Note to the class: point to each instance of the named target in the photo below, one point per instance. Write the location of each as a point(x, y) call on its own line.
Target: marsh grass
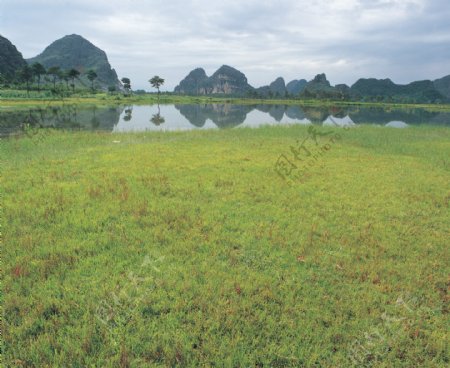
point(187, 249)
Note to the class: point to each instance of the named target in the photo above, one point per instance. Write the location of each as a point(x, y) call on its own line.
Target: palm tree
point(65, 77)
point(55, 72)
point(26, 75)
point(38, 70)
point(92, 76)
point(72, 74)
point(156, 82)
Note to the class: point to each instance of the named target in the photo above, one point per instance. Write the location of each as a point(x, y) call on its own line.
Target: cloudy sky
point(404, 40)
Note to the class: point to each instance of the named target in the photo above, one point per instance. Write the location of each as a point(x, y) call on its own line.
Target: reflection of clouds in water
point(339, 122)
point(397, 124)
point(257, 118)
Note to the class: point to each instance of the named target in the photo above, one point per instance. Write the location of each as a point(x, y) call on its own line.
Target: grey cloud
point(404, 40)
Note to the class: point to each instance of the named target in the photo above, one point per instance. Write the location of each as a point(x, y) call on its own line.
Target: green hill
point(76, 52)
point(275, 89)
point(225, 81)
point(443, 86)
point(193, 83)
point(320, 88)
point(10, 59)
point(295, 86)
point(385, 90)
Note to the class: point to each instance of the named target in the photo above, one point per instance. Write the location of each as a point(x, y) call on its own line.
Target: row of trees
point(37, 74)
point(54, 78)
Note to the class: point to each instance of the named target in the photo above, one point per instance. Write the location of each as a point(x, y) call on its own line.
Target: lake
point(209, 116)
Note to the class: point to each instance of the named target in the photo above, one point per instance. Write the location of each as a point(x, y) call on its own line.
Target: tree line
point(37, 77)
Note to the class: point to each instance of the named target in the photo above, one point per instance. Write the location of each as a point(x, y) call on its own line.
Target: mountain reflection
point(295, 112)
point(70, 117)
point(223, 115)
point(185, 117)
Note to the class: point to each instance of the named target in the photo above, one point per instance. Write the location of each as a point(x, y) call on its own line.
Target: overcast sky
point(404, 40)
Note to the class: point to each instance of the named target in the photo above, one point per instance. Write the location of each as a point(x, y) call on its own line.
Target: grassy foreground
point(187, 249)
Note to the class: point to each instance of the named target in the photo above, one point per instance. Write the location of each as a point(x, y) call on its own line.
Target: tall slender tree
point(55, 73)
point(73, 74)
point(26, 75)
point(38, 70)
point(92, 76)
point(65, 77)
point(156, 82)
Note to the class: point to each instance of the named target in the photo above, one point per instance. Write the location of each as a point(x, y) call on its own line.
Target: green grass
point(187, 249)
point(18, 98)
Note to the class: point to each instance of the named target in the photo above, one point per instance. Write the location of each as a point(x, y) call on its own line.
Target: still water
point(209, 116)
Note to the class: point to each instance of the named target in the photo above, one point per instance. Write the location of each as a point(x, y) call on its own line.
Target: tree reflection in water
point(128, 112)
point(157, 119)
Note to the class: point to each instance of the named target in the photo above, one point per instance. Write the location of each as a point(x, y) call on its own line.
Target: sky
point(404, 40)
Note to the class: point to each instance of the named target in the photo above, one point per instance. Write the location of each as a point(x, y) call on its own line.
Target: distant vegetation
point(73, 63)
point(55, 80)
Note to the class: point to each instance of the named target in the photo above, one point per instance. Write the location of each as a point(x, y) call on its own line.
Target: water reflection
point(222, 115)
point(397, 124)
point(157, 119)
point(128, 113)
point(340, 122)
point(201, 116)
point(70, 117)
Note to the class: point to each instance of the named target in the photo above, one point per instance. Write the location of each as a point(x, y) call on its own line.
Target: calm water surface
point(209, 116)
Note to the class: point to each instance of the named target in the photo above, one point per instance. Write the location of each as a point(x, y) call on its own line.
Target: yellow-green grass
point(187, 249)
point(8, 100)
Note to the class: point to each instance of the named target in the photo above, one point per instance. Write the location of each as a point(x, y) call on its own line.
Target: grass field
point(187, 249)
point(13, 99)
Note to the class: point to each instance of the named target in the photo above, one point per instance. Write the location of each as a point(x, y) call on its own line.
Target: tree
point(92, 76)
point(156, 82)
point(126, 84)
point(55, 73)
point(65, 77)
point(72, 74)
point(26, 75)
point(38, 70)
point(3, 80)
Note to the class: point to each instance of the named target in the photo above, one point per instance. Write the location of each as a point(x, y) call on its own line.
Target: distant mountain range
point(229, 81)
point(74, 51)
